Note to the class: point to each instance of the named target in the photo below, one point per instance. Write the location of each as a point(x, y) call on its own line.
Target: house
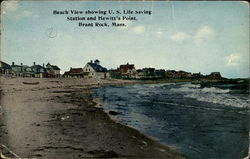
point(21, 70)
point(177, 74)
point(160, 73)
point(214, 76)
point(127, 71)
point(75, 73)
point(171, 74)
point(95, 70)
point(197, 75)
point(148, 72)
point(139, 74)
point(5, 69)
point(115, 73)
point(53, 71)
point(38, 71)
point(184, 74)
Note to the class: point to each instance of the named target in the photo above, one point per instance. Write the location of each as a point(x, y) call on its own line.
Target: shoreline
point(68, 123)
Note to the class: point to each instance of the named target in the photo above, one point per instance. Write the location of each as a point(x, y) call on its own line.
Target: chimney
point(13, 63)
point(34, 63)
point(21, 64)
point(43, 64)
point(97, 62)
point(91, 61)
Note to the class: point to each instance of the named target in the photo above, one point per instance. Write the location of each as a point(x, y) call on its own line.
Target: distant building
point(38, 71)
point(139, 74)
point(184, 74)
point(21, 70)
point(177, 74)
point(53, 71)
point(214, 76)
point(160, 73)
point(127, 71)
point(5, 69)
point(115, 73)
point(75, 73)
point(150, 73)
point(95, 70)
point(197, 75)
point(171, 74)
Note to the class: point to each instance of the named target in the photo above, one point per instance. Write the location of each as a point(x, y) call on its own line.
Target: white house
point(95, 70)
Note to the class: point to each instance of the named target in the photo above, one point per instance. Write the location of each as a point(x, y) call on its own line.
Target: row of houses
point(129, 71)
point(36, 71)
point(93, 69)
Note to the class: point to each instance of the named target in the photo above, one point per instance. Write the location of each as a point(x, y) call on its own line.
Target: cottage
point(95, 70)
point(5, 69)
point(160, 73)
point(53, 71)
point(38, 71)
point(214, 76)
point(75, 73)
point(197, 75)
point(171, 74)
point(21, 70)
point(128, 71)
point(115, 73)
point(184, 74)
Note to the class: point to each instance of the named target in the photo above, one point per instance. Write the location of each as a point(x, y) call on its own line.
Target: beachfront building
point(5, 69)
point(177, 74)
point(150, 73)
point(197, 75)
point(115, 73)
point(95, 70)
point(75, 73)
point(21, 70)
point(38, 71)
point(139, 74)
point(171, 74)
point(160, 73)
point(127, 71)
point(214, 76)
point(53, 71)
point(184, 74)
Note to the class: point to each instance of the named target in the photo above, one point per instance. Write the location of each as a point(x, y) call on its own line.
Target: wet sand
point(58, 118)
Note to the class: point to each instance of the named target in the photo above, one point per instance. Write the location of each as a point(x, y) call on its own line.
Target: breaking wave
point(211, 95)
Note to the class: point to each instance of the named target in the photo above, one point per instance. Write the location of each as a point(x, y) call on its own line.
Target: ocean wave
point(215, 90)
point(187, 88)
point(228, 100)
point(211, 95)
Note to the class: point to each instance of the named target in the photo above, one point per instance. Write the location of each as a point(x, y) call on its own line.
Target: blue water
point(202, 123)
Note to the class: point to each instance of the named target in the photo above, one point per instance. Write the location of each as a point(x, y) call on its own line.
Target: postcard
point(124, 79)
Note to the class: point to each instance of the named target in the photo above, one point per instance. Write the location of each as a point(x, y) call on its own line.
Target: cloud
point(158, 33)
point(180, 36)
point(12, 6)
point(9, 6)
point(233, 59)
point(140, 29)
point(202, 34)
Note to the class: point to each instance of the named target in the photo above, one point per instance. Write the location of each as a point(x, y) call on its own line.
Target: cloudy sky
point(191, 36)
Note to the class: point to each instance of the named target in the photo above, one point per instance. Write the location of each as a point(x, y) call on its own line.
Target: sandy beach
point(58, 118)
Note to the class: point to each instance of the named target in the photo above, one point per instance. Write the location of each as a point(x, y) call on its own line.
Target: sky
point(191, 36)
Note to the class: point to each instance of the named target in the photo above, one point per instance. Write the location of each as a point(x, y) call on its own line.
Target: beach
point(59, 118)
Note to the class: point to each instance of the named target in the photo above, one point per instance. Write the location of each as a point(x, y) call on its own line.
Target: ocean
point(200, 122)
